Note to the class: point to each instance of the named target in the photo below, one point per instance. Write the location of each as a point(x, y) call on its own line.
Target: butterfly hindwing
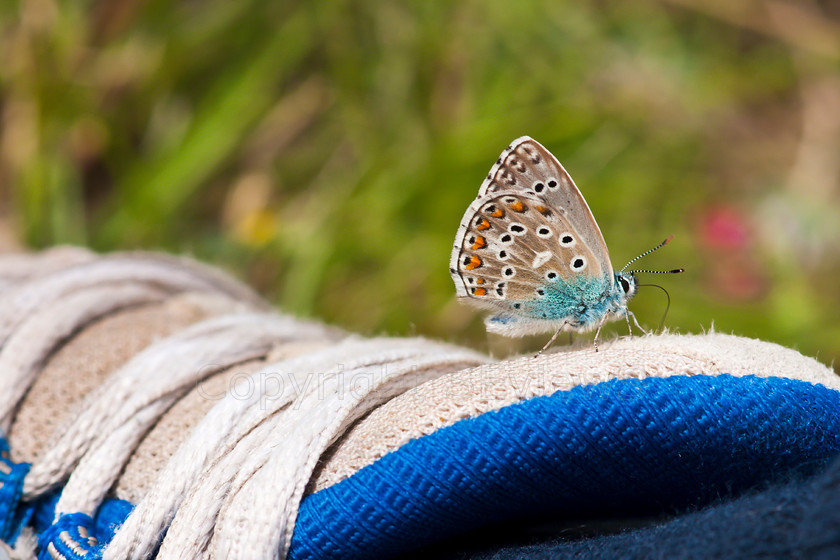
point(523, 259)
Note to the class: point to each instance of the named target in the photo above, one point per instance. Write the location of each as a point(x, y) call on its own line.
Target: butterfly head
point(626, 285)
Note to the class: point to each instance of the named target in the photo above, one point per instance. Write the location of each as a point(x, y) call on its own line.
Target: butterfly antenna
point(667, 307)
point(648, 252)
point(675, 271)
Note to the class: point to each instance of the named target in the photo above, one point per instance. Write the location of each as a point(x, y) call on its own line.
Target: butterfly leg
point(598, 332)
point(635, 321)
point(550, 340)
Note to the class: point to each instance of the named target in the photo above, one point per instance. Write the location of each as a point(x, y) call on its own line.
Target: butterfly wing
point(526, 167)
point(524, 259)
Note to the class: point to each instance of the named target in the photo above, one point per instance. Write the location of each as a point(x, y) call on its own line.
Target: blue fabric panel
point(43, 511)
point(109, 517)
point(799, 519)
point(11, 489)
point(623, 447)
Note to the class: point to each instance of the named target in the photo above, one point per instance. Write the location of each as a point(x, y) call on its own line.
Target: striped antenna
point(648, 252)
point(675, 271)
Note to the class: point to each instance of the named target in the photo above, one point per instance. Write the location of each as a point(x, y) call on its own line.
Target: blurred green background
point(326, 151)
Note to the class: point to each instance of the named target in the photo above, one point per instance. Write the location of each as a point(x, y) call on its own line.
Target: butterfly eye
point(566, 239)
point(625, 284)
point(544, 232)
point(578, 263)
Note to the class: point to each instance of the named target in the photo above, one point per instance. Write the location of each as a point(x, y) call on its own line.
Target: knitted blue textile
point(110, 515)
point(84, 537)
point(800, 519)
point(69, 538)
point(11, 488)
point(619, 448)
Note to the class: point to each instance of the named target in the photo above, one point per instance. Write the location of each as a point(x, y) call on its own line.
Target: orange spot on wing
point(479, 292)
point(543, 210)
point(518, 206)
point(499, 213)
point(479, 281)
point(480, 243)
point(483, 225)
point(475, 262)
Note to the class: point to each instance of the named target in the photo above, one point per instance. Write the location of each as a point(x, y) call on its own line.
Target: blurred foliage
point(326, 151)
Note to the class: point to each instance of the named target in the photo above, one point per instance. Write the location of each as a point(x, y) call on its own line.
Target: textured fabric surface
point(152, 454)
point(163, 439)
point(84, 362)
point(624, 447)
point(446, 400)
point(797, 519)
point(16, 267)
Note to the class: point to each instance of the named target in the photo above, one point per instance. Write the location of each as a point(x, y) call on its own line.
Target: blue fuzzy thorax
point(582, 302)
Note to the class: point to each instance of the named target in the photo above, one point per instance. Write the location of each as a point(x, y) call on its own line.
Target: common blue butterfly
point(529, 250)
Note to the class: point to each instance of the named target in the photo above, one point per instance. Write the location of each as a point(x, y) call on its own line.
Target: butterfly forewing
point(527, 168)
point(513, 248)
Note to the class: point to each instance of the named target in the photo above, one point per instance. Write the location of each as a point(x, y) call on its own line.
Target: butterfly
point(529, 250)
